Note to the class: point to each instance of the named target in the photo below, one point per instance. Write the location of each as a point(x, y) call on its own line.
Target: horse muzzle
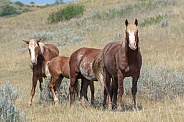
point(133, 46)
point(34, 62)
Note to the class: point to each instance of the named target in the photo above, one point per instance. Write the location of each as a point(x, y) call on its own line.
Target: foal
point(58, 68)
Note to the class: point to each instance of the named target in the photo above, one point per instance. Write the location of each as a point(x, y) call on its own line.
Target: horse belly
point(86, 70)
point(110, 66)
point(65, 71)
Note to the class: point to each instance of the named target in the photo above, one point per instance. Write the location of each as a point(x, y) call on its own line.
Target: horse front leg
point(134, 90)
point(120, 89)
point(41, 81)
point(34, 82)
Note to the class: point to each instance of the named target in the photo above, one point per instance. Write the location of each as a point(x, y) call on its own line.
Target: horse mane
point(41, 45)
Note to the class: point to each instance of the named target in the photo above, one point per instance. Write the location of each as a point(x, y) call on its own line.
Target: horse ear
point(126, 22)
point(26, 41)
point(39, 39)
point(136, 22)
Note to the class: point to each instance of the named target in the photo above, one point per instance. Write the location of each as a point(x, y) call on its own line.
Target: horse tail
point(98, 69)
point(47, 72)
point(76, 88)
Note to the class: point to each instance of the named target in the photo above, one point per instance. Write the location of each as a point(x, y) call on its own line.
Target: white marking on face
point(132, 43)
point(32, 46)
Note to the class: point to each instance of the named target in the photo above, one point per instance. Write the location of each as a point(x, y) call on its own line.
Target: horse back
point(50, 52)
point(82, 61)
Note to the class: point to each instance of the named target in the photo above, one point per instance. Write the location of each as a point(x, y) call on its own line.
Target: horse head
point(34, 49)
point(131, 34)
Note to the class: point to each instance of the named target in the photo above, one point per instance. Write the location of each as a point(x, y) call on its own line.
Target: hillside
point(161, 28)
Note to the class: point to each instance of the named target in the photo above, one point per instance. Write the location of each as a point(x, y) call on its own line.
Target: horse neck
point(131, 54)
point(40, 57)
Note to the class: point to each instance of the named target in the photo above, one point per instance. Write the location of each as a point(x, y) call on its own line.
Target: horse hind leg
point(41, 81)
point(54, 83)
point(114, 92)
point(92, 91)
point(71, 88)
point(120, 89)
point(84, 89)
point(81, 92)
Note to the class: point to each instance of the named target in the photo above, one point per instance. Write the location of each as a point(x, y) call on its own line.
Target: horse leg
point(57, 84)
point(41, 81)
point(107, 78)
point(85, 88)
point(51, 86)
point(134, 90)
point(120, 89)
point(114, 94)
point(92, 91)
point(71, 88)
point(34, 82)
point(81, 94)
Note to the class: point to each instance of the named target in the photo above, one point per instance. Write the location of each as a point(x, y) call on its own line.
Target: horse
point(40, 53)
point(85, 62)
point(57, 69)
point(122, 59)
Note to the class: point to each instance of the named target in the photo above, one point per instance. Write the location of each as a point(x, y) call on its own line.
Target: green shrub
point(70, 11)
point(8, 10)
point(19, 4)
point(151, 20)
point(8, 113)
point(32, 3)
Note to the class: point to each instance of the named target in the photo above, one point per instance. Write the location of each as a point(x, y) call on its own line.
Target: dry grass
point(160, 46)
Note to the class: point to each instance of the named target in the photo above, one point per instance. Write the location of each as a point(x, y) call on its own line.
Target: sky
point(38, 1)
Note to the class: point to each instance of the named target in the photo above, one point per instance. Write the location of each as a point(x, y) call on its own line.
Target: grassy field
point(161, 33)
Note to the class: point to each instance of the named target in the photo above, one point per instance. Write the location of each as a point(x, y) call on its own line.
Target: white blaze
point(33, 57)
point(132, 43)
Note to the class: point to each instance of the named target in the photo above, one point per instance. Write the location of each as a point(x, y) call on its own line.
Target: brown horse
point(58, 68)
point(40, 53)
point(122, 59)
point(84, 62)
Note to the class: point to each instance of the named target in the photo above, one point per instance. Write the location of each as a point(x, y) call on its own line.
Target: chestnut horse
point(40, 53)
point(85, 62)
point(57, 69)
point(122, 59)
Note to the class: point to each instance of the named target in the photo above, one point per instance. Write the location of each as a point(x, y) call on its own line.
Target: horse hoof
point(110, 107)
point(119, 108)
point(29, 103)
point(56, 101)
point(87, 104)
